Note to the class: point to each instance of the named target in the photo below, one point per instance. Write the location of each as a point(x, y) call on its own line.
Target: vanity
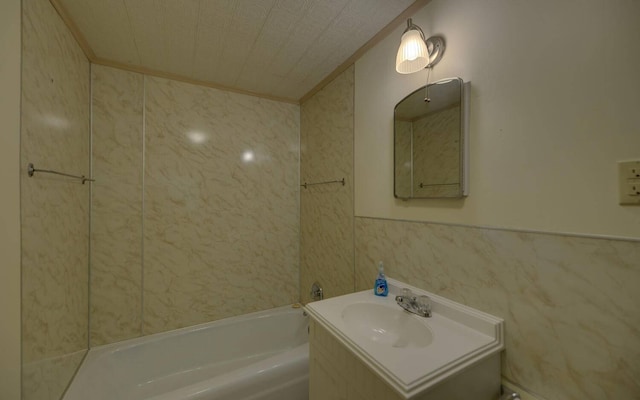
point(367, 347)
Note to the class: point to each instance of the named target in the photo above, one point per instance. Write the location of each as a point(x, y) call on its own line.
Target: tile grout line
point(504, 229)
point(91, 192)
point(142, 187)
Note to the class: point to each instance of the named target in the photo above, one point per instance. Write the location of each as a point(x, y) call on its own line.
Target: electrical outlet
point(629, 182)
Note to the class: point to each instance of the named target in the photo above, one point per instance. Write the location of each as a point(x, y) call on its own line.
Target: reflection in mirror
point(430, 142)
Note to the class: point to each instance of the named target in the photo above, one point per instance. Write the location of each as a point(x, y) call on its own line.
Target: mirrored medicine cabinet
point(431, 142)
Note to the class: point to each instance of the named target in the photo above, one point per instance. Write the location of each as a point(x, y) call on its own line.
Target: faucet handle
point(405, 297)
point(407, 293)
point(424, 305)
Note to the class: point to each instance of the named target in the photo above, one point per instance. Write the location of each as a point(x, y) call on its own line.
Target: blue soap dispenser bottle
point(381, 288)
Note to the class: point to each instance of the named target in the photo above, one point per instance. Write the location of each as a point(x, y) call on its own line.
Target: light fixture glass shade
point(412, 54)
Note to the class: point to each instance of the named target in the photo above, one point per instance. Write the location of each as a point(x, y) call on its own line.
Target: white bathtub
point(259, 356)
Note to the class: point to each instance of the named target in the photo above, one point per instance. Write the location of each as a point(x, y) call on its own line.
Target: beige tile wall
point(326, 220)
point(55, 210)
point(570, 303)
point(220, 233)
point(116, 236)
point(204, 234)
point(47, 379)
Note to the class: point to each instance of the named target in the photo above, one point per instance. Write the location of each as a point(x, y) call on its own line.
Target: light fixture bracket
point(435, 47)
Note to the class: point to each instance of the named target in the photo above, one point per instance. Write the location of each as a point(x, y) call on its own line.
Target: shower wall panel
point(196, 213)
point(116, 237)
point(221, 204)
point(54, 209)
point(326, 240)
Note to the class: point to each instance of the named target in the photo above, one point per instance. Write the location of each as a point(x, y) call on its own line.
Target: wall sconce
point(415, 52)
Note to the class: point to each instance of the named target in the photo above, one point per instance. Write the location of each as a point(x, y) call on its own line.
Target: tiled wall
point(55, 210)
point(116, 236)
point(569, 303)
point(195, 210)
point(221, 204)
point(326, 220)
point(47, 379)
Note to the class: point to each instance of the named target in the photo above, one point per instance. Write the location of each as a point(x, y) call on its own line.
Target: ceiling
point(275, 48)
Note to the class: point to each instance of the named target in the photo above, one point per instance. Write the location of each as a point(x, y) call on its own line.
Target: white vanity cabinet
point(382, 352)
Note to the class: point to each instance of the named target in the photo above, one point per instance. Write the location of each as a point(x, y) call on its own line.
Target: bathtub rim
point(96, 351)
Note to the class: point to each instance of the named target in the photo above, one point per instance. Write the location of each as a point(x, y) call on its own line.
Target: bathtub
point(259, 356)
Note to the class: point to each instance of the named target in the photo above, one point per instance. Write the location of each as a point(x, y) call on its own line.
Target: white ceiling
point(279, 48)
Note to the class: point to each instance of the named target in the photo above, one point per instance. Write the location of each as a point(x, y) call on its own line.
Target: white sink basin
point(386, 326)
point(413, 354)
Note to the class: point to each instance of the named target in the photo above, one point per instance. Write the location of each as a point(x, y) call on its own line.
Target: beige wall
point(54, 210)
point(550, 117)
point(326, 211)
point(185, 230)
point(553, 101)
point(10, 199)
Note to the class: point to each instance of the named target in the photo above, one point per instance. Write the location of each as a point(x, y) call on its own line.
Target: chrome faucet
point(316, 292)
point(419, 305)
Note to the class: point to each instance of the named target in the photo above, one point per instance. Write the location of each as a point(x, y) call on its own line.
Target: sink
point(388, 326)
point(457, 347)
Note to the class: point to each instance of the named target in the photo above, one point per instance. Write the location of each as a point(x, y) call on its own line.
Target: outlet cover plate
point(629, 177)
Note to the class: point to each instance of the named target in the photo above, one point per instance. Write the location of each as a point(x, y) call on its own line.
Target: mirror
point(430, 142)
